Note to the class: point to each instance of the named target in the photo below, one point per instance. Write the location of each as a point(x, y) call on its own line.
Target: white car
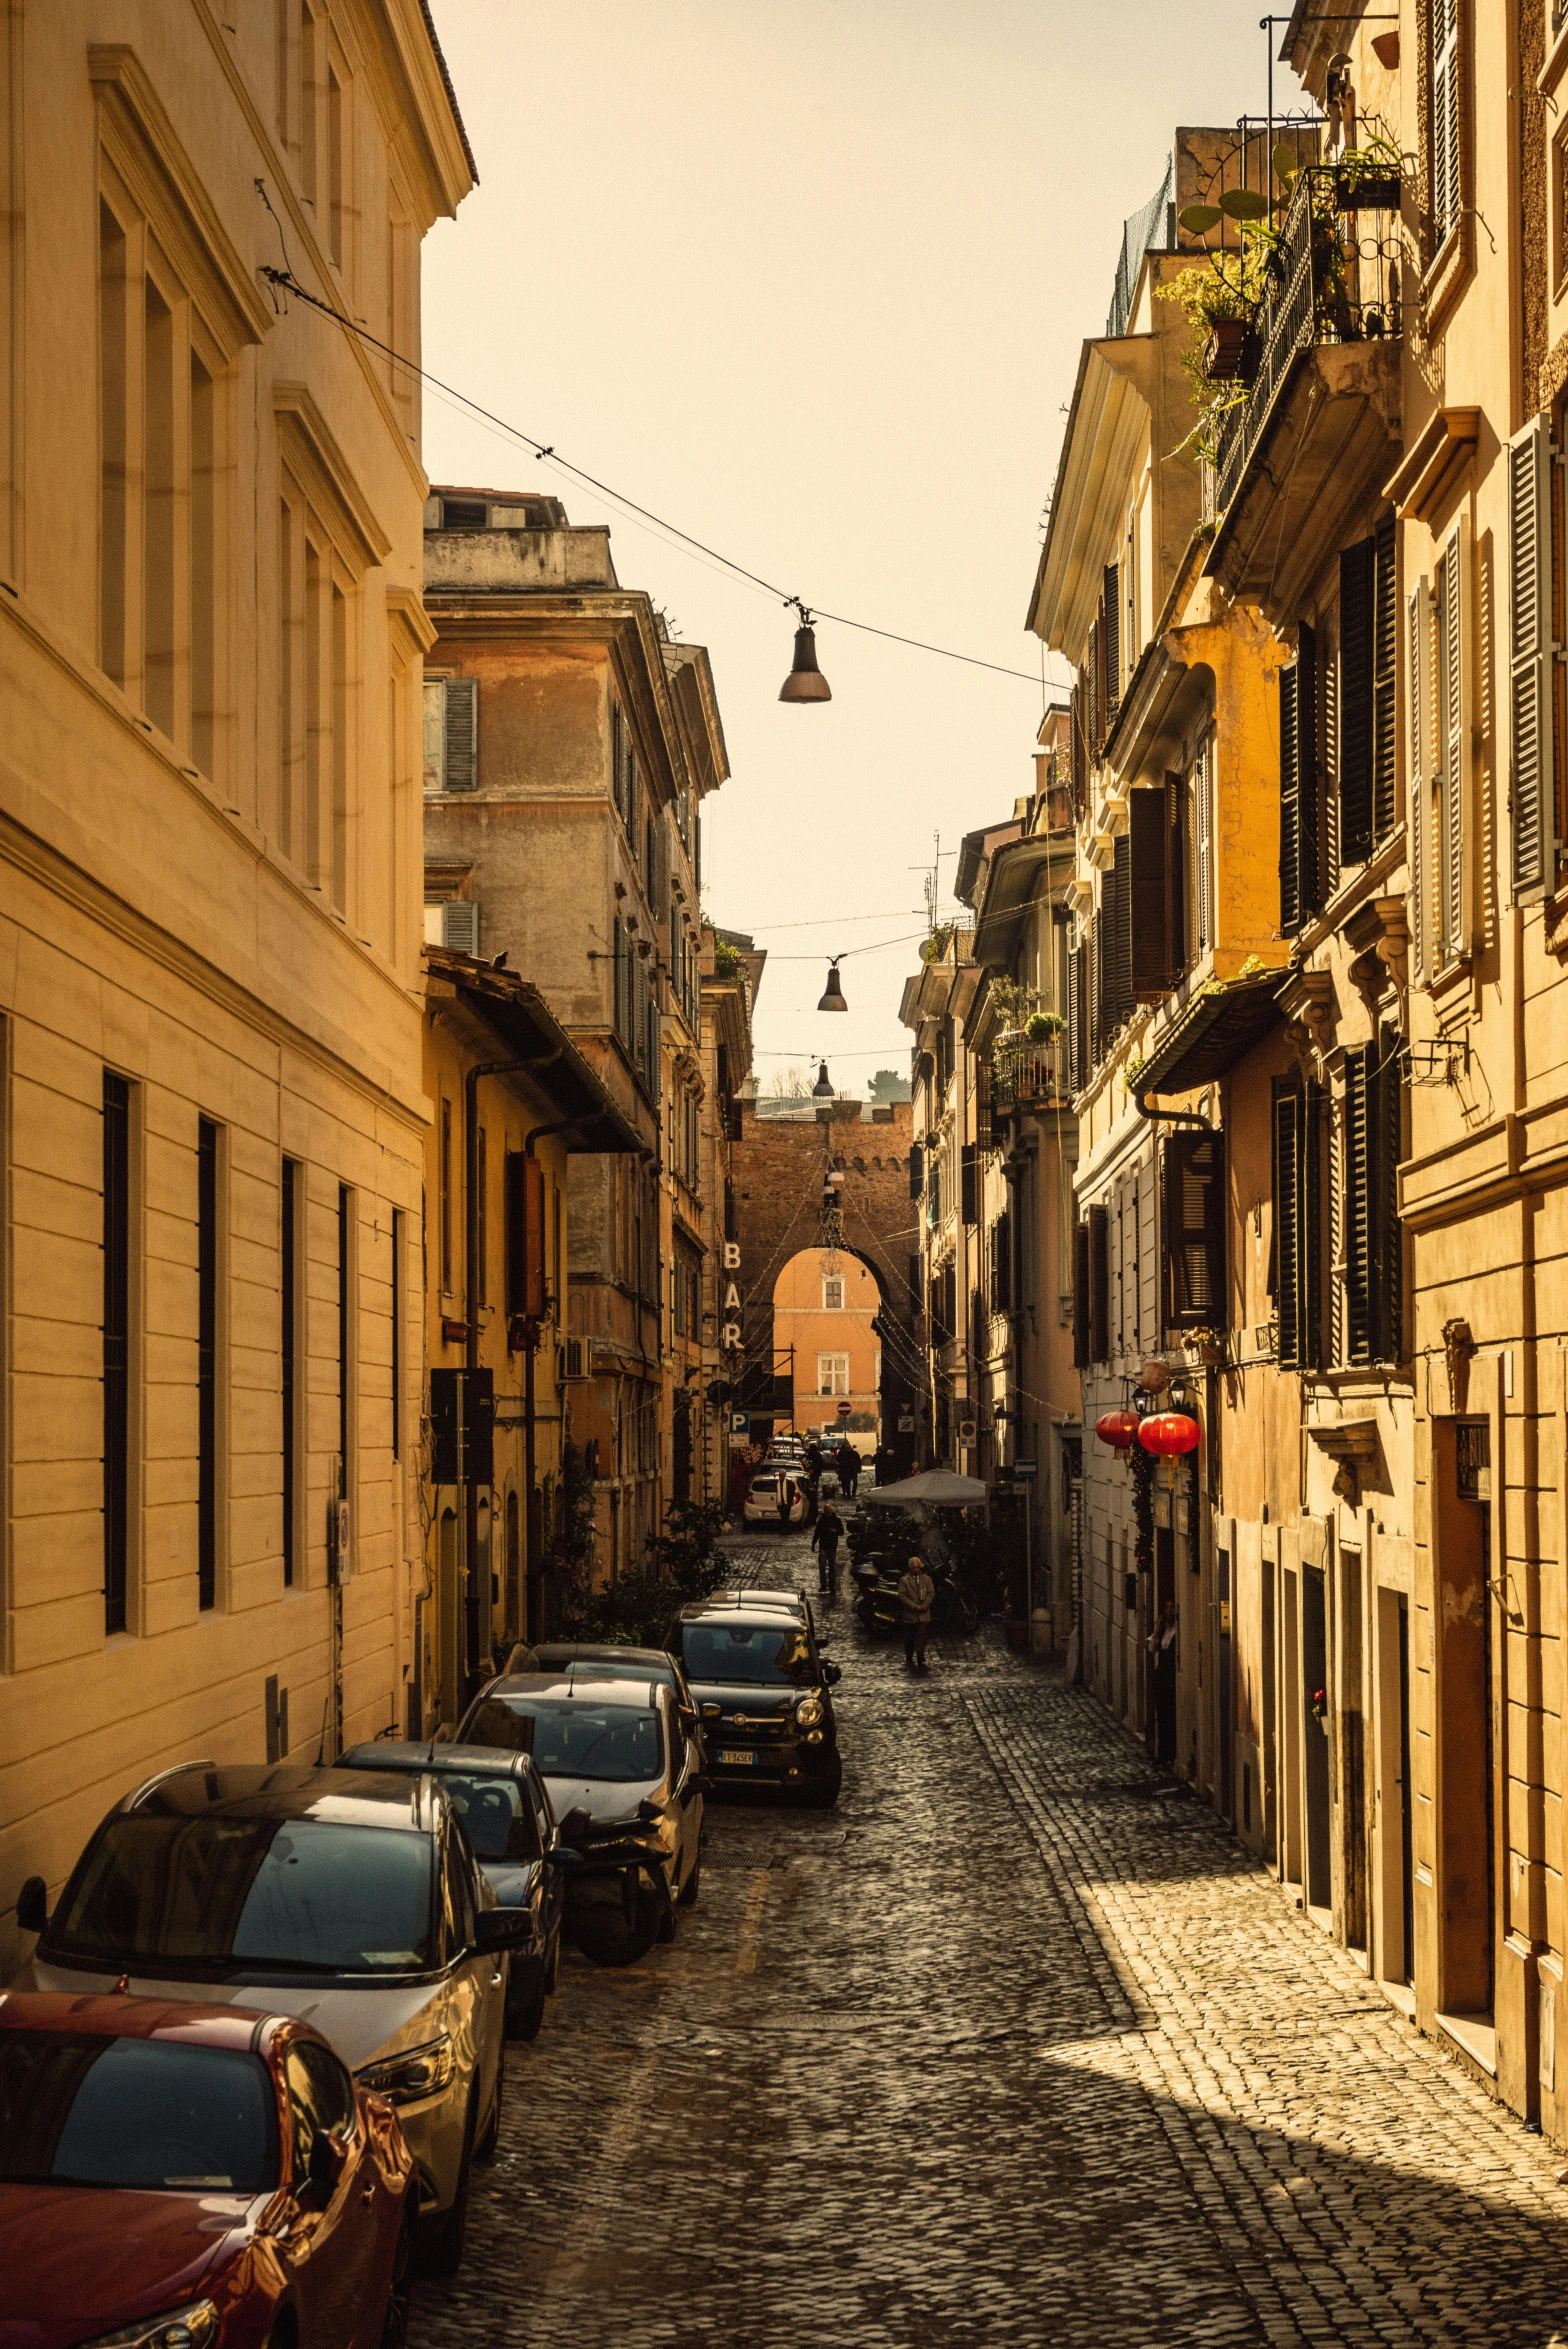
point(345, 1897)
point(761, 1505)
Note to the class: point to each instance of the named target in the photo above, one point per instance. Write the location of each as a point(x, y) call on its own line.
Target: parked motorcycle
point(616, 1895)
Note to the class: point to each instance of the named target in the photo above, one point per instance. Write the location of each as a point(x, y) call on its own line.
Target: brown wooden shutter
point(460, 745)
point(1357, 618)
point(1194, 1219)
point(1358, 1190)
point(1077, 725)
point(1099, 1286)
point(1119, 995)
point(1289, 804)
point(1287, 1225)
point(1111, 641)
point(1076, 964)
point(1386, 1123)
point(1530, 730)
point(1385, 682)
point(969, 1183)
point(1152, 964)
point(1081, 1296)
point(524, 1235)
point(1178, 849)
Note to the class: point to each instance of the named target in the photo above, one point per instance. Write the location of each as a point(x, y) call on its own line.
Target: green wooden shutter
point(1386, 1126)
point(1081, 1296)
point(1357, 609)
point(460, 748)
point(1290, 891)
point(1099, 1286)
point(1119, 992)
point(1530, 657)
point(1310, 1309)
point(1418, 661)
point(1111, 642)
point(1454, 721)
point(1178, 848)
point(1075, 1022)
point(1385, 682)
point(1358, 1196)
point(1287, 1225)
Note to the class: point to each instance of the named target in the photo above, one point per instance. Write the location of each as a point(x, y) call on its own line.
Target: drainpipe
point(469, 1488)
point(531, 1624)
point(1172, 1117)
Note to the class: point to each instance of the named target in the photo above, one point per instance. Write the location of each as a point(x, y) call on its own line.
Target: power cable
point(284, 280)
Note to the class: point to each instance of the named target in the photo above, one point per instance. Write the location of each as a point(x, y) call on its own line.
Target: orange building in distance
point(823, 1303)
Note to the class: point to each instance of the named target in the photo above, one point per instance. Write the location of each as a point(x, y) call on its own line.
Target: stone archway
point(776, 1170)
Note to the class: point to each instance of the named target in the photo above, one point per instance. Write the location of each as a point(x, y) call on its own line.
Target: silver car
point(620, 1758)
point(345, 1897)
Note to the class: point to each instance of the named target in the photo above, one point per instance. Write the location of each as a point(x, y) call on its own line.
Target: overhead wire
point(285, 281)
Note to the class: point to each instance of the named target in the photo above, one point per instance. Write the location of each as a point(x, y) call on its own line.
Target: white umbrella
point(937, 1487)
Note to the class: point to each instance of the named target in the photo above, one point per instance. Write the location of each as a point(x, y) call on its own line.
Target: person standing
point(848, 1468)
point(1162, 1672)
point(825, 1540)
point(813, 1477)
point(916, 1592)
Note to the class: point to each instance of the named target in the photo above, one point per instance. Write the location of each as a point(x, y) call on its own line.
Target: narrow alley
point(1017, 2044)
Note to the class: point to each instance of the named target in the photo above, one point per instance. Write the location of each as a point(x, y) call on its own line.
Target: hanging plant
point(1041, 1026)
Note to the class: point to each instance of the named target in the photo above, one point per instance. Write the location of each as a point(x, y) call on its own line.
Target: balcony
point(1028, 1076)
point(1321, 425)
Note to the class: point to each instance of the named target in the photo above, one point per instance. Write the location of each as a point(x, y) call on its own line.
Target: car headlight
point(413, 2073)
point(809, 1711)
point(190, 2327)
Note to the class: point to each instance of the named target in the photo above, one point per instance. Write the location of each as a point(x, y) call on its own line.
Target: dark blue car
point(506, 1812)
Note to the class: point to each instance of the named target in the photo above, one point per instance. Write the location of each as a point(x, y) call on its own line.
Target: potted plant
point(1043, 1027)
point(1369, 178)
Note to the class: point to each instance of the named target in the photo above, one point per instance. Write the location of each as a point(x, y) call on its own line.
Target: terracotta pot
point(1231, 356)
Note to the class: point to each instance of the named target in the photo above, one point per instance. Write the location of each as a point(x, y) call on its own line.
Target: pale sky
point(810, 281)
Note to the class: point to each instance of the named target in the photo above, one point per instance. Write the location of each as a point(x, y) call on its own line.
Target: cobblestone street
point(1015, 2045)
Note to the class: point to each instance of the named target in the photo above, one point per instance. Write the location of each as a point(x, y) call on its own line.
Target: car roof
point(737, 1595)
point(405, 1755)
point(110, 2015)
point(568, 1656)
point(569, 1688)
point(284, 1790)
point(747, 1618)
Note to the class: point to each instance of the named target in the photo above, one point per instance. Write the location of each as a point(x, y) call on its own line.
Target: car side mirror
point(498, 1929)
point(328, 2157)
point(687, 1716)
point(576, 1822)
point(649, 1809)
point(832, 1674)
point(32, 1905)
point(699, 1783)
point(563, 1856)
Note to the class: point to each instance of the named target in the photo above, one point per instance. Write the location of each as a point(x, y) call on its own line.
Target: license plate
point(728, 1756)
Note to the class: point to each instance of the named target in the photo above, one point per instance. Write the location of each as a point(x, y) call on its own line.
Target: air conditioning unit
point(576, 1351)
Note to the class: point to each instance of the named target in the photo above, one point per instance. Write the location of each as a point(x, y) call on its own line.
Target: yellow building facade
point(210, 653)
point(824, 1302)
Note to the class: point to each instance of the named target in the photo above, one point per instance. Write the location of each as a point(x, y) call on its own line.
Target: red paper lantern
point(1168, 1432)
point(1117, 1428)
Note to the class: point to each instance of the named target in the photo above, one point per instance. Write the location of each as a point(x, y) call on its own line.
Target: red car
point(188, 2177)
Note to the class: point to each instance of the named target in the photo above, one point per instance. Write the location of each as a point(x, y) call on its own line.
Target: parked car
point(174, 2173)
point(349, 1896)
point(625, 1776)
point(507, 1816)
point(609, 1662)
point(761, 1505)
point(765, 1694)
point(785, 1602)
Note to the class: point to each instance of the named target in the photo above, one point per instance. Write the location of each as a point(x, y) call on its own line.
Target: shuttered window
point(1357, 606)
point(1080, 750)
point(1194, 1215)
point(1300, 812)
point(1373, 1129)
point(1203, 850)
point(969, 1183)
point(1152, 958)
point(451, 734)
point(1446, 87)
point(1298, 1269)
point(1385, 668)
point(1099, 1286)
point(460, 926)
point(1453, 845)
point(525, 1266)
point(1081, 1296)
point(1418, 666)
point(1111, 642)
point(1094, 684)
point(1076, 963)
point(1530, 763)
point(1116, 991)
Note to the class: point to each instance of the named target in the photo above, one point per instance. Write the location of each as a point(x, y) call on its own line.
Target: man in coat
point(916, 1591)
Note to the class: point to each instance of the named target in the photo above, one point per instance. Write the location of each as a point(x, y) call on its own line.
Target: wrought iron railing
point(1334, 277)
point(1024, 1076)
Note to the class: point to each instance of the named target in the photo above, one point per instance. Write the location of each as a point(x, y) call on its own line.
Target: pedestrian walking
point(1162, 1671)
point(825, 1540)
point(848, 1468)
point(916, 1591)
point(786, 1499)
point(813, 1478)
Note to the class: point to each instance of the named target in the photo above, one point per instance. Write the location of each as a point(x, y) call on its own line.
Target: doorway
point(1352, 1735)
point(1395, 1846)
point(1292, 1715)
point(1270, 1633)
point(1467, 1758)
point(1227, 1725)
point(1318, 1881)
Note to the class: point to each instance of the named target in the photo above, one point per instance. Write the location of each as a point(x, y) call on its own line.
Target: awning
point(1218, 1027)
point(937, 1487)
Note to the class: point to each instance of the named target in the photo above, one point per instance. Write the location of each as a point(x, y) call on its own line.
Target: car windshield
point(496, 1811)
point(773, 1655)
point(611, 1668)
point(571, 1740)
point(80, 2110)
point(225, 1895)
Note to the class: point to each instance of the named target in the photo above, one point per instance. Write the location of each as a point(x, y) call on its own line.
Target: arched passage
point(777, 1170)
point(826, 1342)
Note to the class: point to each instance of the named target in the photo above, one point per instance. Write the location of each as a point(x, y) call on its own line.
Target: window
point(832, 1374)
point(969, 1182)
point(525, 1266)
point(1532, 778)
point(1364, 712)
point(623, 773)
point(833, 1292)
point(1374, 1132)
point(1194, 1199)
point(1446, 102)
point(348, 1269)
point(444, 1204)
point(1453, 841)
point(453, 923)
point(117, 1291)
point(209, 1306)
point(291, 1272)
point(1157, 857)
point(1297, 1245)
point(1300, 796)
point(451, 734)
point(397, 1333)
point(482, 1219)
